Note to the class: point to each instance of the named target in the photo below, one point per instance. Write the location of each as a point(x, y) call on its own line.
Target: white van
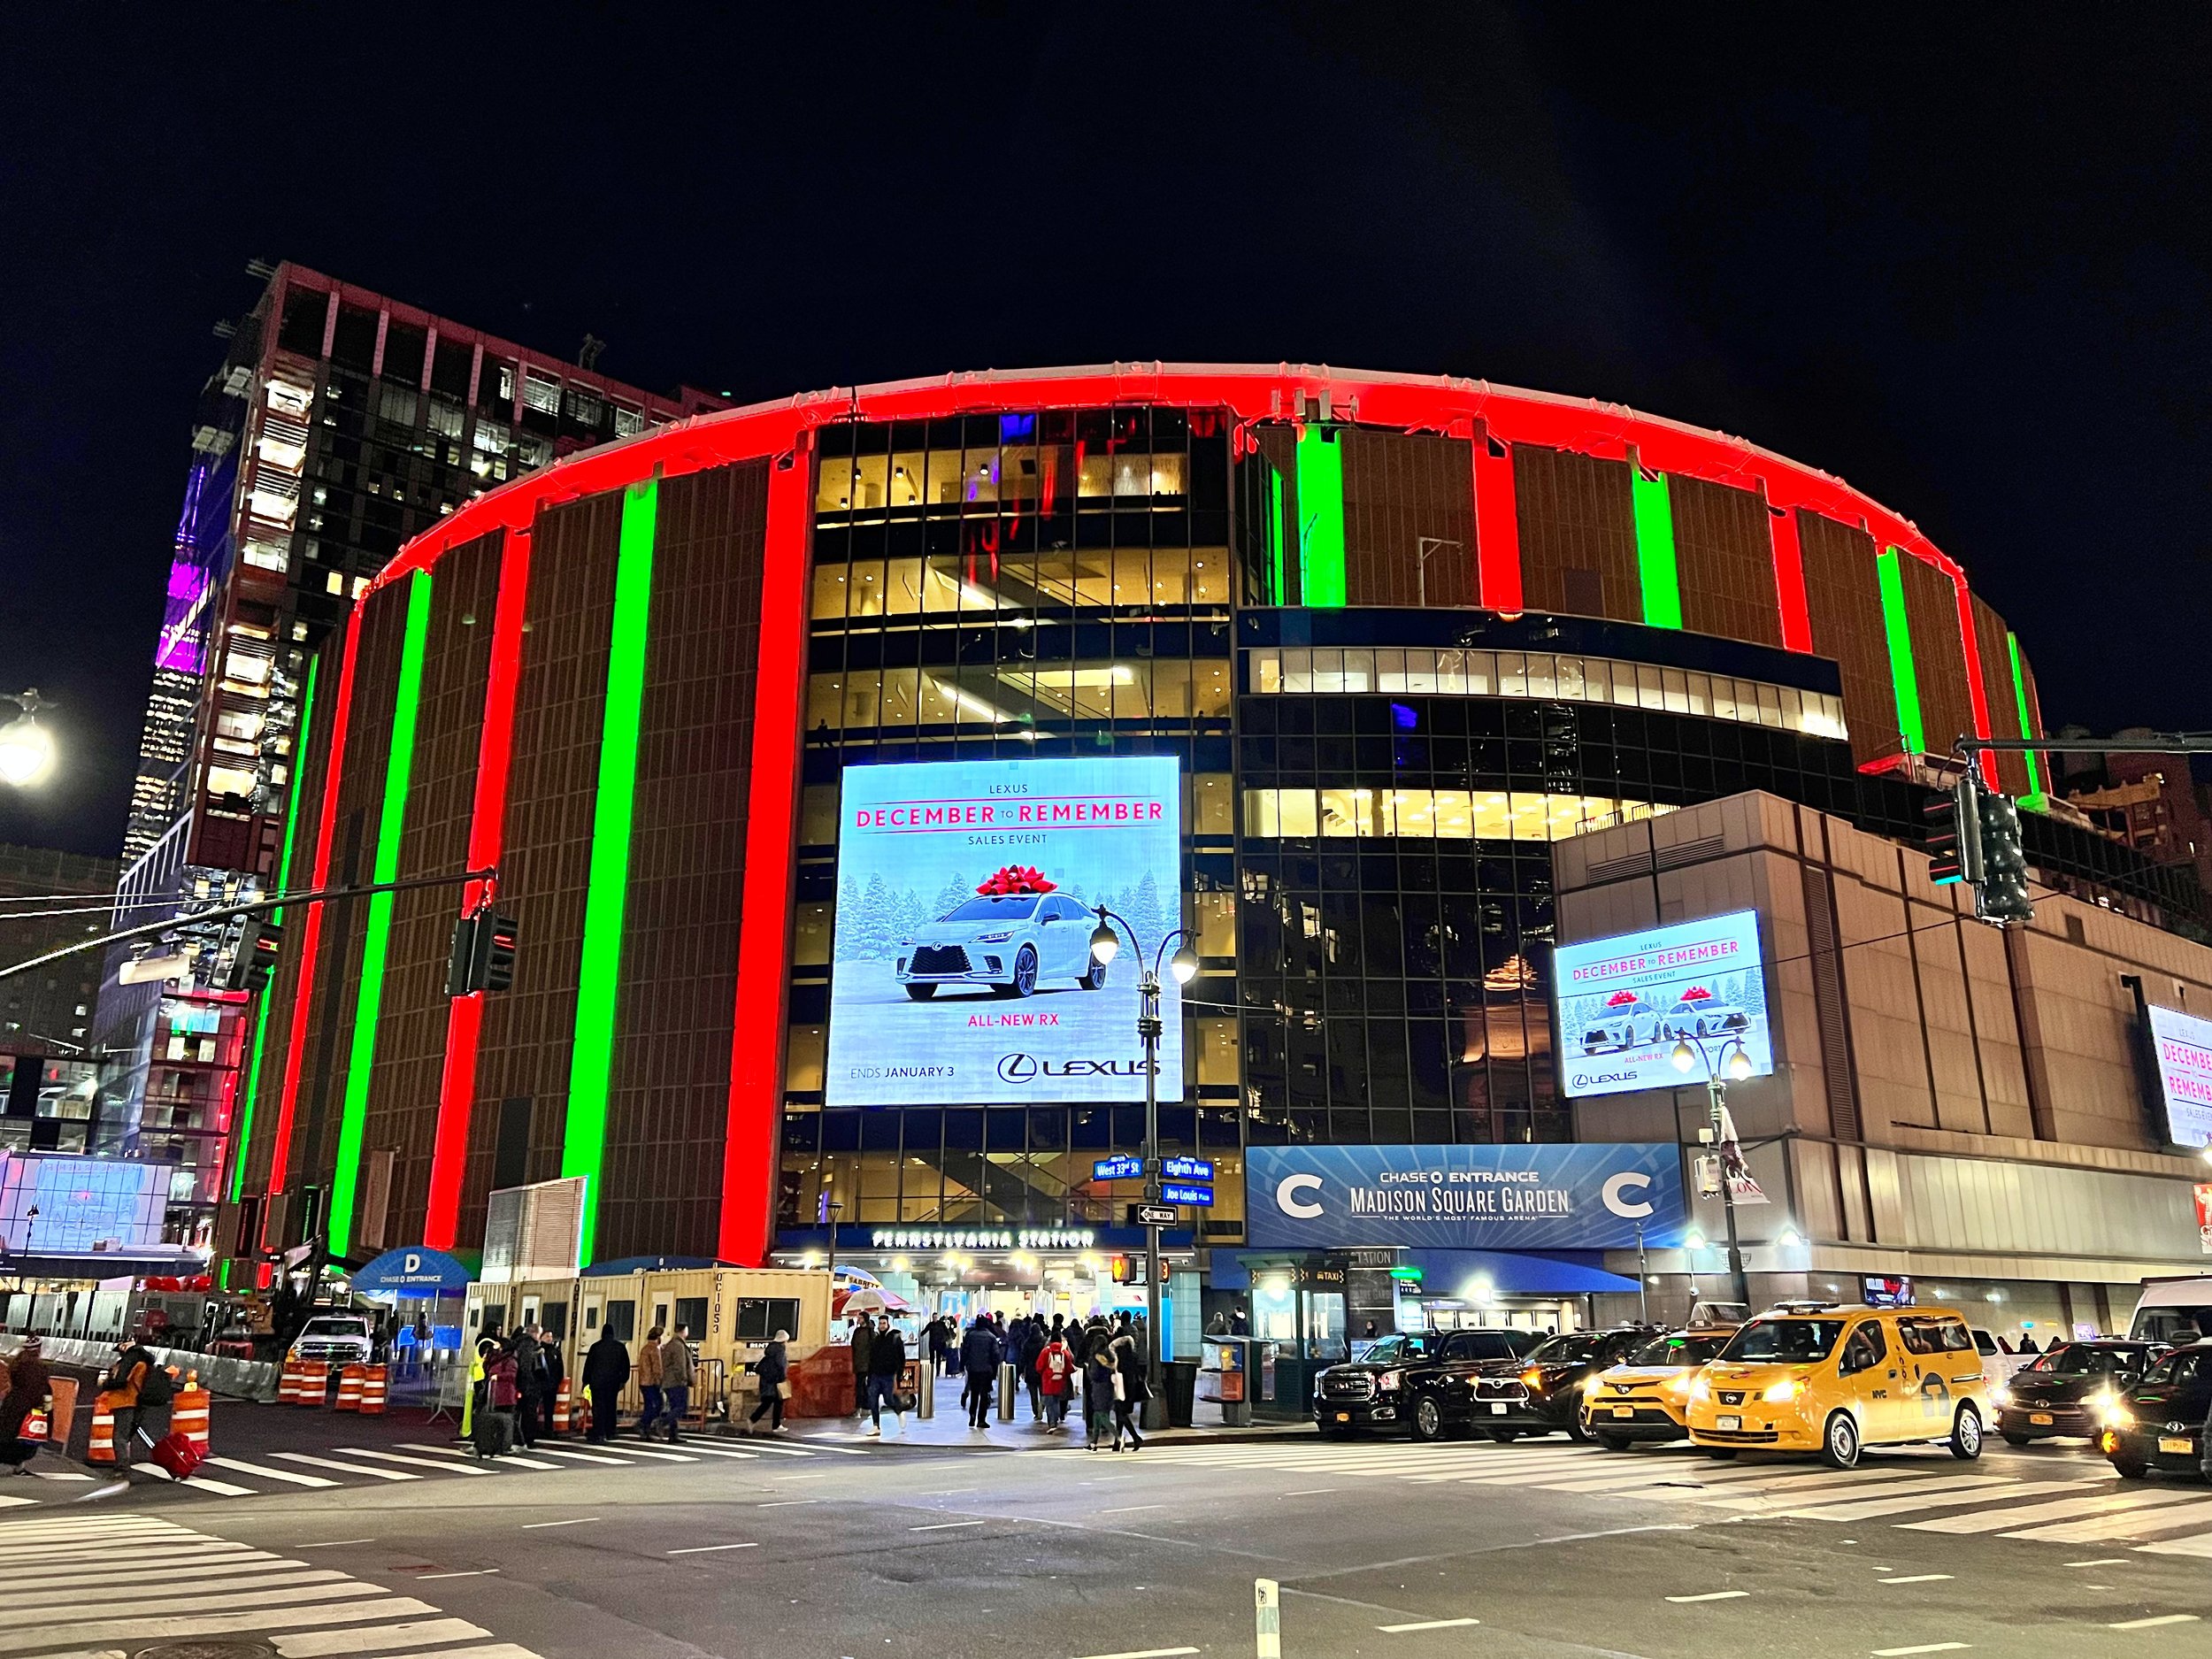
point(2168, 1304)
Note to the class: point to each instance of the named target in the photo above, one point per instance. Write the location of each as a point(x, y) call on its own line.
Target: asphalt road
point(1538, 1549)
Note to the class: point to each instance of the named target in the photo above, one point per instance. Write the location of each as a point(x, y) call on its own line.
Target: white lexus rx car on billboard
point(1008, 941)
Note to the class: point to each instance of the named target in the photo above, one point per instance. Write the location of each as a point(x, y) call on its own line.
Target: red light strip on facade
point(749, 1146)
point(1789, 580)
point(311, 931)
point(1976, 693)
point(488, 824)
point(1497, 531)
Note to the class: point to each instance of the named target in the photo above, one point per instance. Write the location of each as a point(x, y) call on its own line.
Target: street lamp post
point(30, 1225)
point(1105, 943)
point(1737, 1063)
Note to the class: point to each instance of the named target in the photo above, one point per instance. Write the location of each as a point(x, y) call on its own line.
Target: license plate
point(2173, 1446)
point(1497, 1408)
point(1624, 1411)
point(1343, 1417)
point(2039, 1417)
point(1730, 1426)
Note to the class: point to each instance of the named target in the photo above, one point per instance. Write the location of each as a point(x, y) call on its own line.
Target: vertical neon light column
point(276, 918)
point(1321, 517)
point(1657, 570)
point(1789, 578)
point(369, 1002)
point(591, 1063)
point(1903, 677)
point(1280, 595)
point(749, 1142)
point(1497, 527)
point(487, 818)
point(2034, 796)
point(312, 934)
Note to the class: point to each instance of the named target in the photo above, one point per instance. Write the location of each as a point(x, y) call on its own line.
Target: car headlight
point(2118, 1417)
point(1700, 1389)
point(1531, 1377)
point(2101, 1401)
point(2000, 1396)
point(995, 939)
point(1389, 1380)
point(1782, 1392)
point(1680, 1387)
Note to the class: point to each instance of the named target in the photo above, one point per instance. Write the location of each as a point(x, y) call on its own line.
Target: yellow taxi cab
point(1833, 1379)
point(1642, 1400)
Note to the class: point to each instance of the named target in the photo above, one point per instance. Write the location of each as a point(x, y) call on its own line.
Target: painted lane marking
point(1142, 1652)
point(1916, 1577)
point(2102, 1561)
point(473, 1572)
point(344, 1468)
point(1711, 1596)
point(1131, 1509)
point(1928, 1647)
point(2163, 1619)
point(2000, 1520)
point(538, 1526)
point(512, 1458)
point(108, 1632)
point(582, 1457)
point(333, 1543)
point(785, 1503)
point(411, 1463)
point(292, 1476)
point(946, 1526)
point(375, 1639)
point(1308, 1492)
point(708, 1549)
point(1426, 1623)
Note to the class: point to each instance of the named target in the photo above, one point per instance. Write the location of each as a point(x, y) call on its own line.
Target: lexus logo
point(1018, 1068)
point(1026, 1068)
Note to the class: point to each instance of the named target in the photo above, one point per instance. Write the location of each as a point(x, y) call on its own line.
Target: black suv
point(2066, 1389)
point(1544, 1396)
point(1416, 1379)
point(2159, 1424)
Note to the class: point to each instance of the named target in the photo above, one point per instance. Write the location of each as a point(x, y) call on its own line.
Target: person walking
point(494, 1428)
point(979, 1354)
point(863, 1339)
point(1098, 1385)
point(529, 1380)
point(1033, 1345)
point(606, 1368)
point(649, 1383)
point(139, 1393)
point(1056, 1374)
point(774, 1371)
point(887, 1363)
point(556, 1373)
point(1131, 1388)
point(678, 1368)
point(27, 1387)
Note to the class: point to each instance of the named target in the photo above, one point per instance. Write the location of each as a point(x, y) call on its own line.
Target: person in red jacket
point(1056, 1377)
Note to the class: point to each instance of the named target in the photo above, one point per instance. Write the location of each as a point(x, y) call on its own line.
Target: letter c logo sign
point(1615, 1191)
point(1288, 1197)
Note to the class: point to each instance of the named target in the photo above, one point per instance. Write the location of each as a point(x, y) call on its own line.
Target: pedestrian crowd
point(1099, 1361)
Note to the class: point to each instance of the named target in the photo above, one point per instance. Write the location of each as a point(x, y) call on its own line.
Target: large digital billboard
point(962, 973)
point(1589, 1196)
point(2183, 1042)
point(1625, 1002)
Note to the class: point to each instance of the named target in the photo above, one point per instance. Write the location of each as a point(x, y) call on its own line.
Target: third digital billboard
point(964, 973)
point(1627, 1001)
point(2183, 1042)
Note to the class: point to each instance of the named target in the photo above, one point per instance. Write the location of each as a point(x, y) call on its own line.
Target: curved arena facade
point(1395, 636)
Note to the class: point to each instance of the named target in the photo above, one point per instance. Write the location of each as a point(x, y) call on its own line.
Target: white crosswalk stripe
point(303, 1610)
point(2039, 1498)
point(405, 1460)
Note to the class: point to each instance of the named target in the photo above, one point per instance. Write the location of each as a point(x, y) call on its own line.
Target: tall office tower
point(339, 425)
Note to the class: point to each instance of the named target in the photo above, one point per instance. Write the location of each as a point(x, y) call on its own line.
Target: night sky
point(1960, 260)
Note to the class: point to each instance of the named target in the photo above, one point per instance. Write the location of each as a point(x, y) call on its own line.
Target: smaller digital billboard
point(1626, 1001)
point(2183, 1042)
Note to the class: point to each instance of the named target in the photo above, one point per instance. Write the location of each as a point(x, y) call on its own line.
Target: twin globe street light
point(1105, 945)
point(1736, 1063)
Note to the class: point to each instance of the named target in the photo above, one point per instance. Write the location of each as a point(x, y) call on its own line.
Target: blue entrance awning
point(1458, 1273)
point(414, 1269)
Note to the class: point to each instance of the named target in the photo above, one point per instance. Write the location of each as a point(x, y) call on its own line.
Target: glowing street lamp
point(26, 748)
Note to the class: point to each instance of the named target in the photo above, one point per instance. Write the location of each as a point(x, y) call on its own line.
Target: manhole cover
point(206, 1650)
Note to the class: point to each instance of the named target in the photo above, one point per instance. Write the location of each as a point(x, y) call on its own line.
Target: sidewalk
point(949, 1430)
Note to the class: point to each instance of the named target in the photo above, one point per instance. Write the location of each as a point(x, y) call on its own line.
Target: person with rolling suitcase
point(494, 1424)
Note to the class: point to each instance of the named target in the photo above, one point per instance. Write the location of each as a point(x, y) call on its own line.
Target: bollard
point(1267, 1617)
point(372, 1390)
point(350, 1387)
point(1005, 1393)
point(191, 1414)
point(925, 1392)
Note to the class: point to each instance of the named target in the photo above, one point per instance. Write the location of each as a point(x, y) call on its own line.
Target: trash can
point(1182, 1385)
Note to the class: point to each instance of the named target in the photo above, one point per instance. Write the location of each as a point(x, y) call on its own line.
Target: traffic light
point(254, 962)
point(2002, 893)
point(1953, 839)
point(483, 956)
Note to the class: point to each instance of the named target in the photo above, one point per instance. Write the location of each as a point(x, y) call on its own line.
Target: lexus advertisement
point(966, 891)
point(1629, 1003)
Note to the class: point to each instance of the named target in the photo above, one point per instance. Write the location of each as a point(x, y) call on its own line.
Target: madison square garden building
point(1315, 665)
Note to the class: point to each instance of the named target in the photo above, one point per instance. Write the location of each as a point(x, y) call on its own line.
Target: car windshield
point(2075, 1359)
point(1783, 1341)
point(999, 907)
point(1391, 1349)
point(1678, 1350)
point(2179, 1368)
point(333, 1327)
point(1565, 1350)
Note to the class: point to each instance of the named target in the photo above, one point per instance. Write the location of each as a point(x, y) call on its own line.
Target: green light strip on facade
point(2034, 796)
point(591, 1063)
point(1902, 673)
point(1321, 515)
point(1281, 593)
point(1656, 568)
point(398, 765)
point(283, 885)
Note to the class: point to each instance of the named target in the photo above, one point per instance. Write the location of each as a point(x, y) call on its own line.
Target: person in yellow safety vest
point(484, 1345)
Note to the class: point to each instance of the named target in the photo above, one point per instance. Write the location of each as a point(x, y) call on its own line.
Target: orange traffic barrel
point(191, 1414)
point(350, 1387)
point(372, 1391)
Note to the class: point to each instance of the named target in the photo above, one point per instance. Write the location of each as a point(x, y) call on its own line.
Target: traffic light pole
point(275, 902)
